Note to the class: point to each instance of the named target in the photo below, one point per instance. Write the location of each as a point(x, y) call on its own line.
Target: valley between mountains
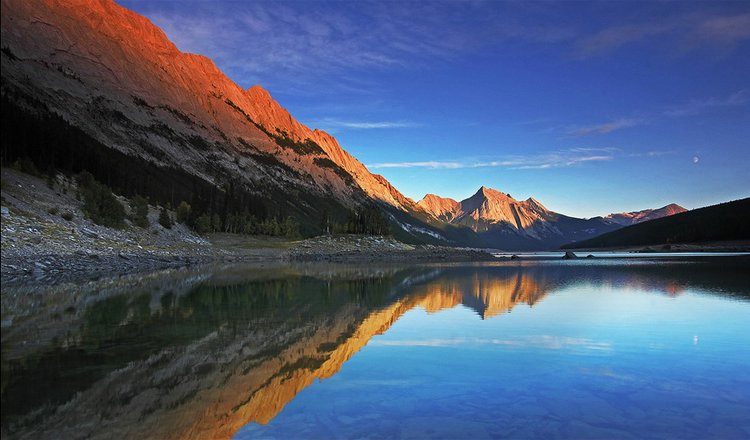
point(92, 89)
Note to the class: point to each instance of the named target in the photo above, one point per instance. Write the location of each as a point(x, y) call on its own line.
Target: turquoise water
point(617, 348)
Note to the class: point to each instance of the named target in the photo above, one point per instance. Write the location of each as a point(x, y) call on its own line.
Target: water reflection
point(200, 355)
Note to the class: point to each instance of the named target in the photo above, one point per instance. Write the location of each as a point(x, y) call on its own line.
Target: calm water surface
point(618, 348)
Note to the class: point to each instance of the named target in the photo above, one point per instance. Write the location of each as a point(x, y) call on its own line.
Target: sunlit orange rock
point(631, 218)
point(489, 207)
point(84, 51)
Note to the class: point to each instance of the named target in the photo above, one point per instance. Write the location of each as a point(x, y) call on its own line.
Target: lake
point(632, 348)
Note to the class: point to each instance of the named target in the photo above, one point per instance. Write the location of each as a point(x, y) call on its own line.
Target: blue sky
point(589, 107)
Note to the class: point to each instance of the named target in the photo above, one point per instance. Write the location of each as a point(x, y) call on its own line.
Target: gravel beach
point(47, 238)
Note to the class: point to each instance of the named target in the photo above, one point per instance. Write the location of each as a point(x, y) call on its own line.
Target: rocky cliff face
point(116, 76)
point(441, 208)
point(488, 207)
point(632, 218)
point(273, 118)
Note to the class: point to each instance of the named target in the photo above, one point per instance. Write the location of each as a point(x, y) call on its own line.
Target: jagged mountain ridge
point(444, 209)
point(116, 76)
point(635, 217)
point(500, 219)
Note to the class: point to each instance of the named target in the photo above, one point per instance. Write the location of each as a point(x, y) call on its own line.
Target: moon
point(696, 159)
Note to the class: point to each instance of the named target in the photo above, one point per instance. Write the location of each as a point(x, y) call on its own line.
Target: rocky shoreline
point(85, 265)
point(346, 249)
point(46, 238)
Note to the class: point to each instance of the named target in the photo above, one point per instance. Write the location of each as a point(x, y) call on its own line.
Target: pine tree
point(164, 218)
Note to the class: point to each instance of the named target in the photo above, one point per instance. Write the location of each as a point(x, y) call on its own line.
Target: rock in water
point(569, 256)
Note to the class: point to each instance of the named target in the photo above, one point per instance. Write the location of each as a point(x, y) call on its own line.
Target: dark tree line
point(46, 143)
point(368, 220)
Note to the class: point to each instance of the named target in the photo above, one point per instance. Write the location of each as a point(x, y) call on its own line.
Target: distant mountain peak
point(635, 217)
point(674, 206)
point(436, 197)
point(442, 208)
point(490, 192)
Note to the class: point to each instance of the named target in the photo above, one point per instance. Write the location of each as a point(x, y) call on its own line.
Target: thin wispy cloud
point(686, 31)
point(690, 108)
point(615, 37)
point(557, 159)
point(432, 164)
point(698, 106)
point(299, 42)
point(729, 29)
point(302, 42)
point(606, 127)
point(329, 123)
point(654, 153)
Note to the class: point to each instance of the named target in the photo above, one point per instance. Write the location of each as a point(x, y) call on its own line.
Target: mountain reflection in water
point(200, 355)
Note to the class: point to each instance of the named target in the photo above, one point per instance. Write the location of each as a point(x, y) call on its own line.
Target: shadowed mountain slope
point(635, 217)
point(111, 80)
point(723, 222)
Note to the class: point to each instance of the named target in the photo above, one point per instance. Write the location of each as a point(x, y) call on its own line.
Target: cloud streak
point(691, 108)
point(699, 106)
point(300, 42)
point(615, 37)
point(606, 127)
point(329, 123)
point(304, 42)
point(566, 158)
point(687, 31)
point(728, 29)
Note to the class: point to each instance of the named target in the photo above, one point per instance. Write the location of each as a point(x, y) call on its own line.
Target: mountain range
point(500, 220)
point(90, 85)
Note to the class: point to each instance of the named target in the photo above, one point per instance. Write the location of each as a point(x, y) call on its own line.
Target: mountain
point(632, 218)
point(90, 85)
point(504, 222)
point(440, 207)
point(723, 222)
